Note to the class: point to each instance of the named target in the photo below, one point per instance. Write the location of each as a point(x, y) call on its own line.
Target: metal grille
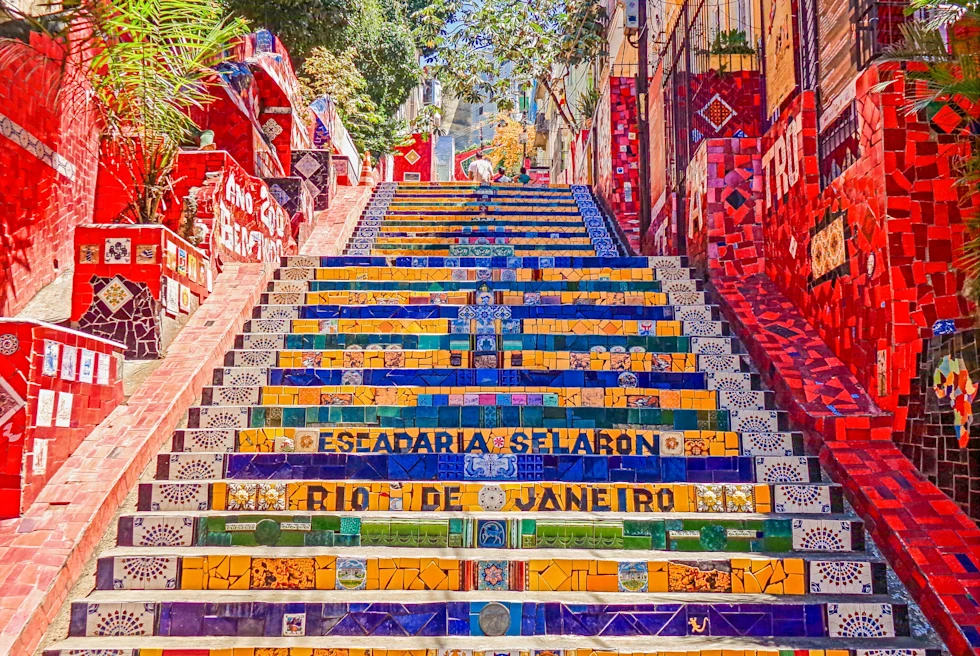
point(809, 59)
point(877, 25)
point(839, 146)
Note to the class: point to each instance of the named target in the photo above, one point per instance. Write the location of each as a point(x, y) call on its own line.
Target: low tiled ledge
point(56, 385)
point(137, 284)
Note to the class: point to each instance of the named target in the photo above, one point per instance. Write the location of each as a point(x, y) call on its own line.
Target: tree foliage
point(508, 151)
point(940, 67)
point(145, 63)
point(500, 44)
point(362, 53)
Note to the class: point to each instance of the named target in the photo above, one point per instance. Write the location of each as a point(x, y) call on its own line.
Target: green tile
point(640, 542)
point(528, 526)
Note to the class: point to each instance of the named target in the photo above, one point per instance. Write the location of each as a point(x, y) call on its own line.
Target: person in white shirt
point(480, 170)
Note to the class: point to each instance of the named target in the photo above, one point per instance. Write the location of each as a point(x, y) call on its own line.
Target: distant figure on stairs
point(502, 176)
point(524, 178)
point(480, 170)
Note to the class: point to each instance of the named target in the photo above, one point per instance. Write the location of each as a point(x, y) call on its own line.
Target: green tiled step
point(820, 537)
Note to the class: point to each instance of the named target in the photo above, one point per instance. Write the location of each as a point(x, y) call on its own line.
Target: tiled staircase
point(486, 430)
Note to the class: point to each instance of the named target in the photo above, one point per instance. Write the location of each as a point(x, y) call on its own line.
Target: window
point(839, 146)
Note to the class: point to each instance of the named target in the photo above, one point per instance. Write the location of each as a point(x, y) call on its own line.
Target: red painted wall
point(40, 204)
point(424, 165)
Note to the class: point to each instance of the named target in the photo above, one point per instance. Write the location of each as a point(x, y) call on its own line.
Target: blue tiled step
point(513, 357)
point(470, 285)
point(613, 442)
point(467, 378)
point(486, 467)
point(483, 417)
point(514, 326)
point(459, 342)
point(480, 312)
point(239, 615)
point(499, 262)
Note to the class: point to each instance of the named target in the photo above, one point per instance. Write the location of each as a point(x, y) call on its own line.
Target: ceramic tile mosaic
point(580, 437)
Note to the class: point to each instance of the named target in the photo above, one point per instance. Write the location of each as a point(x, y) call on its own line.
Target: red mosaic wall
point(237, 213)
point(128, 277)
point(55, 386)
point(423, 165)
point(722, 201)
point(886, 283)
point(48, 155)
point(624, 194)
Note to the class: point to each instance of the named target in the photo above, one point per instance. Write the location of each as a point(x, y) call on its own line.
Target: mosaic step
point(491, 358)
point(280, 286)
point(232, 614)
point(586, 442)
point(484, 416)
point(547, 326)
point(314, 569)
point(622, 397)
point(486, 467)
point(274, 302)
point(458, 496)
point(469, 342)
point(343, 651)
point(698, 536)
point(251, 376)
point(466, 451)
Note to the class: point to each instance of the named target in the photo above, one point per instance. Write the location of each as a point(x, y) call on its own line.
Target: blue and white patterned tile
point(120, 619)
point(178, 496)
point(841, 577)
point(196, 466)
point(804, 499)
point(144, 572)
point(151, 531)
point(829, 535)
point(782, 469)
point(860, 621)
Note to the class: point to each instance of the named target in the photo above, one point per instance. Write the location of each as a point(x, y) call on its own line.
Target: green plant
point(588, 102)
point(498, 45)
point(938, 69)
point(730, 42)
point(144, 64)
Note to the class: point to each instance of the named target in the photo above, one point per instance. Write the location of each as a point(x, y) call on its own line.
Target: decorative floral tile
point(223, 417)
point(755, 421)
point(672, 443)
point(767, 444)
point(241, 496)
point(198, 440)
point(118, 250)
point(179, 496)
point(115, 294)
point(821, 535)
point(809, 499)
point(739, 499)
point(150, 531)
point(782, 469)
point(492, 575)
point(144, 572)
point(841, 577)
point(196, 466)
point(711, 345)
point(709, 498)
point(271, 496)
point(237, 396)
point(120, 619)
point(860, 621)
